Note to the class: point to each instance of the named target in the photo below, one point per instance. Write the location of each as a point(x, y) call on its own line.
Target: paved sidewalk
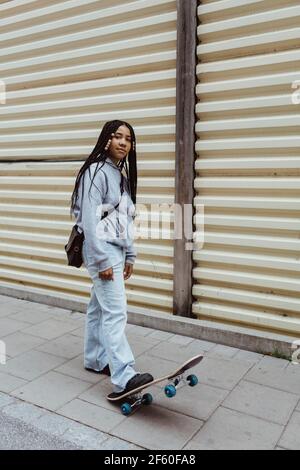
point(244, 400)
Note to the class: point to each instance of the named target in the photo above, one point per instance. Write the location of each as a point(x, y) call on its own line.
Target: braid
point(99, 154)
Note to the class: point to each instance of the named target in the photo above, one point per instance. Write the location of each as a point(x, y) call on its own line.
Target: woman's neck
point(115, 161)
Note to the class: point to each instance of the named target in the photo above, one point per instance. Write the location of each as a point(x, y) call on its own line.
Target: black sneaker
point(136, 381)
point(105, 371)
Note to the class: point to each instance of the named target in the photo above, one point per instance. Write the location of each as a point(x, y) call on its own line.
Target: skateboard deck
point(134, 398)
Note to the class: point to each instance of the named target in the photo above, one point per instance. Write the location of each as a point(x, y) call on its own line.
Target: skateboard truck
point(170, 389)
point(138, 400)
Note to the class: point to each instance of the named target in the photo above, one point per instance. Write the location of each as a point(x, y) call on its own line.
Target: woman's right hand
point(107, 275)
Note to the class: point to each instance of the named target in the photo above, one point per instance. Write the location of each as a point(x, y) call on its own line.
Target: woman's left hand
point(128, 270)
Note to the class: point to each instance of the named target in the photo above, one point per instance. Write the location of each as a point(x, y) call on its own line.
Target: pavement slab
point(263, 402)
point(32, 364)
point(286, 379)
point(231, 430)
point(291, 436)
point(20, 342)
point(44, 390)
point(92, 415)
point(158, 428)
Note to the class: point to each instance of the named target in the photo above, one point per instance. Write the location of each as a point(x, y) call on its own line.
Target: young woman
point(100, 186)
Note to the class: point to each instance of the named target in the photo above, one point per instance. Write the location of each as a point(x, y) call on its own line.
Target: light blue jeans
point(105, 341)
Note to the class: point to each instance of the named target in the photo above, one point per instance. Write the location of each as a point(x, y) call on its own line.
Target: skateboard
point(135, 398)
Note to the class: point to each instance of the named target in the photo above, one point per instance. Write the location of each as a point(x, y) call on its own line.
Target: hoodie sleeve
point(130, 254)
point(90, 216)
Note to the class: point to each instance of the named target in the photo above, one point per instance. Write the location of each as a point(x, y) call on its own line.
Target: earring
point(133, 145)
point(109, 142)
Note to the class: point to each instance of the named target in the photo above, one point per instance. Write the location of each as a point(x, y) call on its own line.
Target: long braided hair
point(99, 154)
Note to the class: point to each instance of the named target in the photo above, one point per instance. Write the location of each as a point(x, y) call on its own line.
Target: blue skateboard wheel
point(170, 391)
point(147, 399)
point(126, 409)
point(192, 380)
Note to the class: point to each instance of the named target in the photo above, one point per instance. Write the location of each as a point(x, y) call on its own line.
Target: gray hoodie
point(117, 228)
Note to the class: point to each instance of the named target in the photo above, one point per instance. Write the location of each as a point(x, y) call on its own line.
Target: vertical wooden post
point(185, 147)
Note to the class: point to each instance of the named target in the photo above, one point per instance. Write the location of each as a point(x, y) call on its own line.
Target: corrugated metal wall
point(248, 165)
point(68, 67)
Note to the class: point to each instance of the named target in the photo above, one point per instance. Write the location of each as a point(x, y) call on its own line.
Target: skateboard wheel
point(147, 399)
point(192, 380)
point(126, 409)
point(170, 391)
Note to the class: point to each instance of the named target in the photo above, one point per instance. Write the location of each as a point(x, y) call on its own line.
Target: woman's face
point(120, 144)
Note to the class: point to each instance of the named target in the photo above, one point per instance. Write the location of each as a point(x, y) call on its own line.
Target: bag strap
point(81, 207)
point(106, 213)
